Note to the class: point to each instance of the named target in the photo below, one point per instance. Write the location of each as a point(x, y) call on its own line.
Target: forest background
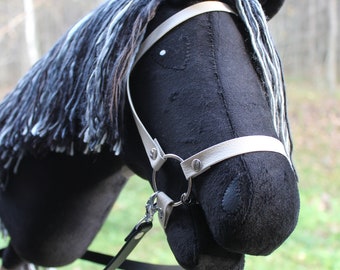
point(307, 37)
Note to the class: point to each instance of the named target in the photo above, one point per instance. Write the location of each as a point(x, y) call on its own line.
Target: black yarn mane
point(69, 100)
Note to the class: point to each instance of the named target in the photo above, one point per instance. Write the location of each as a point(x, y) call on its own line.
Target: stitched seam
point(223, 99)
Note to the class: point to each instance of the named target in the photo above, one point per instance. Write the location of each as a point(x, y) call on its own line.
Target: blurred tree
point(332, 45)
point(28, 29)
point(306, 35)
point(30, 32)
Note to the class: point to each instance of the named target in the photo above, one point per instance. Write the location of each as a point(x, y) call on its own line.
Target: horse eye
point(172, 52)
point(162, 52)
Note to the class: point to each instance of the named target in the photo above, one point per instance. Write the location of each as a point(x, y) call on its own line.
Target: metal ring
point(185, 196)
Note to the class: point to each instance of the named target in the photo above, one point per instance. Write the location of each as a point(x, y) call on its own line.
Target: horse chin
point(255, 211)
point(192, 244)
point(233, 262)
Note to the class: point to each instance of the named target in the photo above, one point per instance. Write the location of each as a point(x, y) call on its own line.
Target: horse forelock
point(268, 61)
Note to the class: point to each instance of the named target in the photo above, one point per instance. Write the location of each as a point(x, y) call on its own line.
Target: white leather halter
point(202, 161)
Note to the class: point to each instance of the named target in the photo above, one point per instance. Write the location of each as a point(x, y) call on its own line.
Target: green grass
point(315, 244)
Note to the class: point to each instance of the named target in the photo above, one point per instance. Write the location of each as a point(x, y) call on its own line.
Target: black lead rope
point(120, 261)
point(152, 206)
point(127, 264)
point(131, 241)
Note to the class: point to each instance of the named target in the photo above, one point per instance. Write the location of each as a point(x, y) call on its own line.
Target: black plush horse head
point(211, 85)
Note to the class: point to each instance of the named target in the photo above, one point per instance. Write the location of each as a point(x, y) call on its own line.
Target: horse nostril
point(231, 202)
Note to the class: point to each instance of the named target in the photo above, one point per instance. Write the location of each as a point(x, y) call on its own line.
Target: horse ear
point(178, 2)
point(271, 7)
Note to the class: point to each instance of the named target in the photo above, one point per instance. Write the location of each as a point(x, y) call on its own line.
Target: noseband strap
point(202, 161)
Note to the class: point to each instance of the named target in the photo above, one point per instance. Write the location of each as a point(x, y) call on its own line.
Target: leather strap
point(177, 19)
point(202, 161)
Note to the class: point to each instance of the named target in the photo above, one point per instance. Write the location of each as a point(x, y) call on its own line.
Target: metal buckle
point(150, 209)
point(185, 197)
point(158, 202)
